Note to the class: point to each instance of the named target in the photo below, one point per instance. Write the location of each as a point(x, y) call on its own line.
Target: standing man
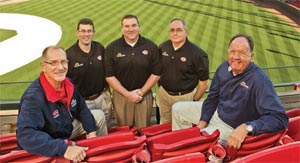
point(86, 69)
point(133, 66)
point(184, 70)
point(52, 110)
point(241, 100)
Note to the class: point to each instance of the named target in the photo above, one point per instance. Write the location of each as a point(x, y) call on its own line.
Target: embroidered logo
point(165, 54)
point(73, 103)
point(183, 59)
point(243, 84)
point(78, 64)
point(55, 113)
point(120, 55)
point(99, 57)
point(145, 52)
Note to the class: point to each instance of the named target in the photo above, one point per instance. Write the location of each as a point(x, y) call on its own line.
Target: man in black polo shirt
point(133, 66)
point(184, 70)
point(86, 69)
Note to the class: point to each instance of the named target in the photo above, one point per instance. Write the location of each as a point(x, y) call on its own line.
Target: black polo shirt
point(87, 70)
point(132, 66)
point(182, 68)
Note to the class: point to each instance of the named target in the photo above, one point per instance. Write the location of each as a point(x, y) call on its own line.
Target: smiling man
point(52, 110)
point(133, 66)
point(87, 70)
point(184, 70)
point(241, 100)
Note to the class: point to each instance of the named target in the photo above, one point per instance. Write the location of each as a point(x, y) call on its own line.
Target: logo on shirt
point(145, 52)
point(120, 55)
point(183, 59)
point(73, 103)
point(55, 113)
point(165, 54)
point(78, 64)
point(243, 84)
point(99, 57)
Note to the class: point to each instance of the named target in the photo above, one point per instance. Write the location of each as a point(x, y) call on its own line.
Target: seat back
point(285, 153)
point(8, 143)
point(294, 128)
point(293, 112)
point(180, 142)
point(156, 129)
point(187, 158)
point(105, 140)
point(253, 144)
point(22, 156)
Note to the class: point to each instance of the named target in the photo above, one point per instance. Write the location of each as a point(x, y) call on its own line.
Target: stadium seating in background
point(8, 143)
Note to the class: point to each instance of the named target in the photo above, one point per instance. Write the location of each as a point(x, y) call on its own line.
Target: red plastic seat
point(253, 144)
point(156, 129)
point(293, 112)
point(181, 142)
point(22, 156)
point(294, 128)
point(117, 151)
point(187, 158)
point(285, 153)
point(121, 129)
point(8, 143)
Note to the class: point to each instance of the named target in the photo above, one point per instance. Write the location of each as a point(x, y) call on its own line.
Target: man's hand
point(135, 96)
point(91, 135)
point(202, 124)
point(237, 137)
point(75, 153)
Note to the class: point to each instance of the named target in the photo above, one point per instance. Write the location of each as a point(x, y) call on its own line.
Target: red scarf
point(64, 95)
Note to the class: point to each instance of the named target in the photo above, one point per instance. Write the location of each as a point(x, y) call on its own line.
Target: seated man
point(52, 110)
point(241, 100)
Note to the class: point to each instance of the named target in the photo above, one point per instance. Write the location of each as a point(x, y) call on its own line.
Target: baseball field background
point(211, 23)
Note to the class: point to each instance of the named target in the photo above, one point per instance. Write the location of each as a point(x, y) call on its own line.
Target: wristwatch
point(249, 128)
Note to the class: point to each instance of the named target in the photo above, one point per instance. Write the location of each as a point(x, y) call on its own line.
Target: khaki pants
point(131, 114)
point(100, 124)
point(166, 101)
point(184, 114)
point(104, 103)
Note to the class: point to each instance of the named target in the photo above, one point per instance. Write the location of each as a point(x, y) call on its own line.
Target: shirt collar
point(52, 95)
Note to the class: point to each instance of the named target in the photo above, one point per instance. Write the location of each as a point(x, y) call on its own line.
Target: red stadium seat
point(187, 158)
point(285, 153)
point(121, 129)
point(22, 156)
point(156, 129)
point(294, 128)
point(8, 143)
point(181, 142)
point(293, 112)
point(116, 151)
point(253, 144)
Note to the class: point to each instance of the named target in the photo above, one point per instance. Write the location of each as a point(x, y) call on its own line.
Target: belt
point(92, 97)
point(178, 93)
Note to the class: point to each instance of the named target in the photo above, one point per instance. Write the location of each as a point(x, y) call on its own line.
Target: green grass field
point(211, 24)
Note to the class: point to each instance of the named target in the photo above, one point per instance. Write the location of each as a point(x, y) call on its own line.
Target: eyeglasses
point(177, 30)
point(242, 54)
point(56, 63)
point(86, 31)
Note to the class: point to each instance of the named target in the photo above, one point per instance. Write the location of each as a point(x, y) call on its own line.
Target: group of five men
point(241, 99)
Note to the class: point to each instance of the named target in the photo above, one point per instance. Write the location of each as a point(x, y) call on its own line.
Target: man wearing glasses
point(52, 110)
point(86, 69)
point(184, 70)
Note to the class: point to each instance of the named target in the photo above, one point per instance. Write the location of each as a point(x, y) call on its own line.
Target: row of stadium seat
point(159, 144)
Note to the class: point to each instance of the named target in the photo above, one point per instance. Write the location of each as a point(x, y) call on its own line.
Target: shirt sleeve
point(273, 117)
point(109, 62)
point(29, 131)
